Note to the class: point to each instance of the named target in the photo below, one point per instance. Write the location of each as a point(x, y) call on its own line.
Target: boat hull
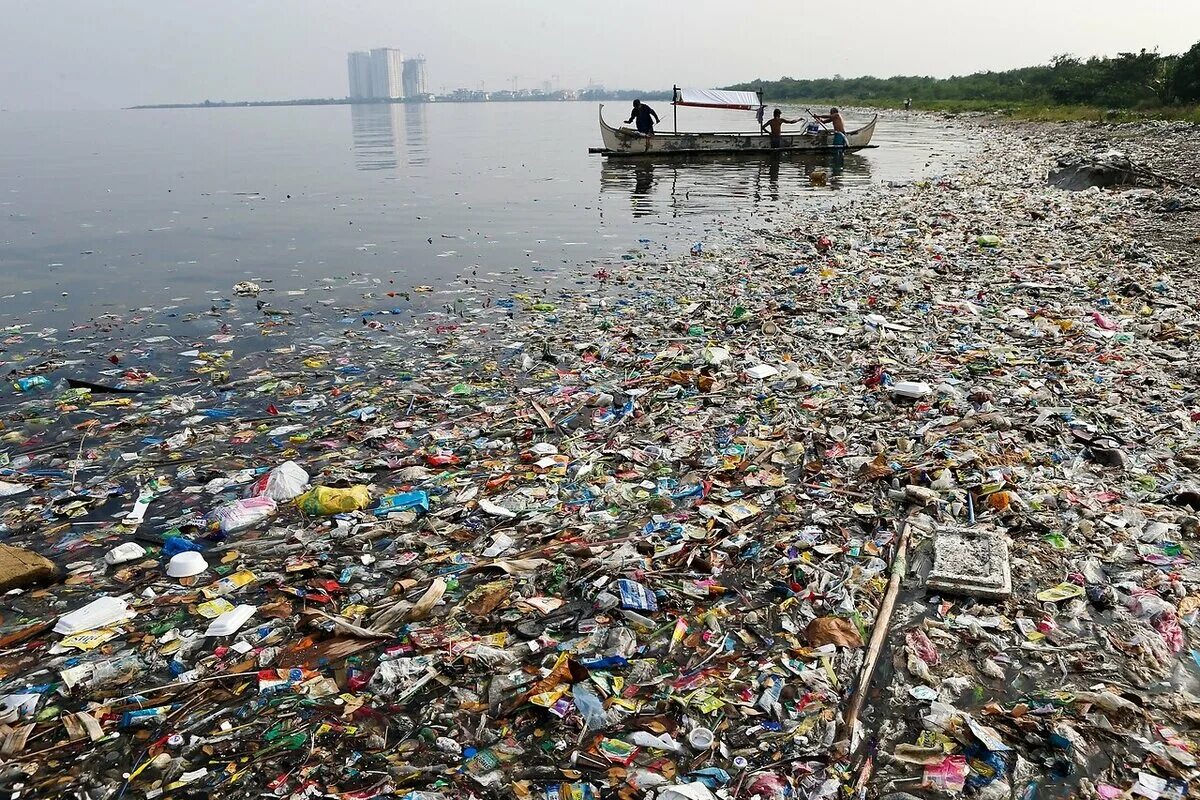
point(620, 142)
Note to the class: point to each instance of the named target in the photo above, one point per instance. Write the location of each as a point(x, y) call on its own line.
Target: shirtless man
point(776, 123)
point(839, 126)
point(642, 113)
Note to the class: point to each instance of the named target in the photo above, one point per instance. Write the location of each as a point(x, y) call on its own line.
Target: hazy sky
point(110, 53)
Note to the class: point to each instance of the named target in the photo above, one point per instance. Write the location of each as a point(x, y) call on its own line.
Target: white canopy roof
point(717, 98)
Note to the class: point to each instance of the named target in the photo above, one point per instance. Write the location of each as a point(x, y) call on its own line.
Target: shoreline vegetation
point(1125, 87)
point(1025, 112)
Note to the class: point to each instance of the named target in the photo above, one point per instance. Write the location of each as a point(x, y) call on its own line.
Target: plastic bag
point(285, 482)
point(242, 514)
point(590, 706)
point(402, 502)
point(32, 382)
point(325, 500)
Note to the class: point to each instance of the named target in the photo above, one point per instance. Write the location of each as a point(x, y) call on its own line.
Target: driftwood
point(879, 635)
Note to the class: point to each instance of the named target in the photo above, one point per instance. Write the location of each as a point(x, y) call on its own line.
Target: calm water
point(144, 209)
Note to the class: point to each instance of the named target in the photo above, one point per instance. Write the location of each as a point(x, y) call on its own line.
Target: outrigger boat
point(624, 141)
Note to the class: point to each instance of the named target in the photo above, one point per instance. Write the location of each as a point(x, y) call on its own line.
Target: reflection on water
point(703, 184)
point(375, 131)
point(415, 135)
point(373, 128)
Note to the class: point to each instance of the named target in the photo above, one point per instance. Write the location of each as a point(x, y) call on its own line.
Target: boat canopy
point(718, 98)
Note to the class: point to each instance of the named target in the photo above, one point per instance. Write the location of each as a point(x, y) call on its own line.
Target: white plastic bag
point(242, 514)
point(285, 482)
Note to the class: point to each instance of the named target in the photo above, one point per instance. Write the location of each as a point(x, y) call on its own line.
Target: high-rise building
point(387, 73)
point(382, 74)
point(414, 77)
point(358, 65)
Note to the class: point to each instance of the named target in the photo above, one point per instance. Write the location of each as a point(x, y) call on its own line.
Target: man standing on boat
point(839, 126)
point(776, 123)
point(642, 113)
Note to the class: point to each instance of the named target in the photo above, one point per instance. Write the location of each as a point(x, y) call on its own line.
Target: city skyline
point(383, 73)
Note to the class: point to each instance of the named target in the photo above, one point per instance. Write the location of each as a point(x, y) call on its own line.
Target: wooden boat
point(624, 141)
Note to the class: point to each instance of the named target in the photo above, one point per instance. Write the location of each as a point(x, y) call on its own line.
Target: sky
point(88, 54)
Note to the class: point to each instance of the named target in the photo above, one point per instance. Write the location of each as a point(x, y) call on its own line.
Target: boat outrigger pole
point(675, 106)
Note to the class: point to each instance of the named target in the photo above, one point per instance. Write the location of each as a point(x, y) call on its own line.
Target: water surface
point(103, 212)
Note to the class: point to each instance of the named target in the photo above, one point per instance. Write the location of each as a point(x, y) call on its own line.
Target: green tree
point(1185, 76)
point(1127, 80)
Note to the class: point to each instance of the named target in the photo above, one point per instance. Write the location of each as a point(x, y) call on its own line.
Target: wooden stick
point(1162, 178)
point(879, 636)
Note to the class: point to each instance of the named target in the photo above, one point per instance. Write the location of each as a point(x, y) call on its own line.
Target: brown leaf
point(833, 630)
point(487, 598)
point(877, 469)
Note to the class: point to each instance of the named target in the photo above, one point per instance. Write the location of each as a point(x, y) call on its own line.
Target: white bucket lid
point(186, 564)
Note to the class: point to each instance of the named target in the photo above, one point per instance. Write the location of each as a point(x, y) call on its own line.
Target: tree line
point(1127, 81)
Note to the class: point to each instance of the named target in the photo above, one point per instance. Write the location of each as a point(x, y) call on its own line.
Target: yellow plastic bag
point(1064, 591)
point(325, 500)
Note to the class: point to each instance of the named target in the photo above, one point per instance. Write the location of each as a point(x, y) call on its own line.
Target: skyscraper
point(379, 74)
point(387, 73)
point(414, 78)
point(358, 65)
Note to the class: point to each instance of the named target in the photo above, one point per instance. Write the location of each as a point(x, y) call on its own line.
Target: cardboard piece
point(20, 567)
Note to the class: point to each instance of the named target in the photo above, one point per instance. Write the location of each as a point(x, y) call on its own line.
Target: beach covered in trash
point(629, 534)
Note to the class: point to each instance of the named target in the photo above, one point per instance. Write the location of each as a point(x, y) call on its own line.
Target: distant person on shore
point(839, 126)
point(776, 123)
point(642, 113)
point(908, 105)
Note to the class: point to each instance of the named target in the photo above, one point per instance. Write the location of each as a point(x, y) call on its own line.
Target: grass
point(1022, 111)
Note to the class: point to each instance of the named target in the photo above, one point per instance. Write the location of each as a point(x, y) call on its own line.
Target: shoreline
point(719, 432)
point(1020, 112)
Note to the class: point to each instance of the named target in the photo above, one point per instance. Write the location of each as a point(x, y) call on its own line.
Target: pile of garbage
point(1085, 171)
point(629, 536)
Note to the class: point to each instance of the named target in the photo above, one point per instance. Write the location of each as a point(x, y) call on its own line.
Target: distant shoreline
point(346, 101)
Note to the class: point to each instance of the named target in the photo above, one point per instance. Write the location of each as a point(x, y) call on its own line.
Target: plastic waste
point(326, 500)
point(101, 612)
point(127, 551)
point(650, 511)
point(240, 515)
point(31, 383)
point(284, 482)
point(404, 501)
point(701, 738)
point(186, 564)
point(231, 621)
point(590, 706)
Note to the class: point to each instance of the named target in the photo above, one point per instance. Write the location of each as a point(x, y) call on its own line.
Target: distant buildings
point(384, 74)
point(359, 66)
point(414, 77)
